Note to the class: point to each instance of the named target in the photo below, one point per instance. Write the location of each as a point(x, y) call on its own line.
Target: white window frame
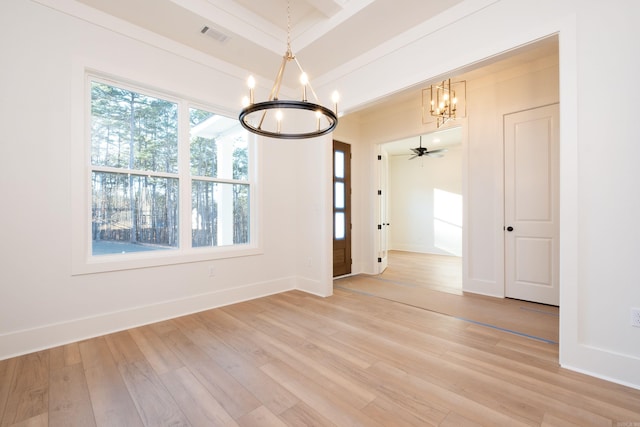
point(83, 262)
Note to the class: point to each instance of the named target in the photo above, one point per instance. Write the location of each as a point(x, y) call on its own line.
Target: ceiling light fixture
point(308, 119)
point(444, 101)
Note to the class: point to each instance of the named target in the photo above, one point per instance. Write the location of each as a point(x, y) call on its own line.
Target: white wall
point(425, 203)
point(599, 201)
point(41, 110)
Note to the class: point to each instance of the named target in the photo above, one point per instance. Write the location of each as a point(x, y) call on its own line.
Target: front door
point(531, 154)
point(341, 208)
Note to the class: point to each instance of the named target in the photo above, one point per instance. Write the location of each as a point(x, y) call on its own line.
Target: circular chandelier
point(304, 119)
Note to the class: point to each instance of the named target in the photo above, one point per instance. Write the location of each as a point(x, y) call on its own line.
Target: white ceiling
point(325, 34)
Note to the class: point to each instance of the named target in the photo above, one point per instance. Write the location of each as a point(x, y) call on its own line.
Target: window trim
point(83, 262)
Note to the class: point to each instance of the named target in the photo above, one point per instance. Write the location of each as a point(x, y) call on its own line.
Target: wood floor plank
point(316, 396)
point(123, 348)
point(157, 353)
point(551, 420)
point(236, 335)
point(29, 389)
point(153, 401)
point(7, 372)
point(236, 400)
point(302, 414)
point(456, 420)
point(423, 398)
point(261, 417)
point(64, 355)
point(41, 420)
point(388, 413)
point(200, 407)
point(69, 397)
point(184, 348)
point(110, 399)
point(308, 338)
point(291, 309)
point(293, 351)
point(270, 393)
point(267, 391)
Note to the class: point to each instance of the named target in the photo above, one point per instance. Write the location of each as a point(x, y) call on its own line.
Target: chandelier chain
point(289, 27)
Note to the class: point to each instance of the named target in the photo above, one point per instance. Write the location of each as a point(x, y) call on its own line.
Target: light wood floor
point(434, 282)
point(436, 272)
point(300, 360)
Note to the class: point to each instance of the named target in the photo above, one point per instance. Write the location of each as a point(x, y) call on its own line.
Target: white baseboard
point(623, 369)
point(49, 336)
point(315, 287)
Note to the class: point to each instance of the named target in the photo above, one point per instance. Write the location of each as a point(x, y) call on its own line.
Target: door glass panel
point(339, 225)
point(338, 166)
point(339, 195)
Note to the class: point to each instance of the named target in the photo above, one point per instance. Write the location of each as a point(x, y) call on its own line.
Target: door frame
point(382, 213)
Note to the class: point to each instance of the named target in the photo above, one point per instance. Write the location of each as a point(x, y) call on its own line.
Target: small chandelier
point(443, 101)
point(306, 119)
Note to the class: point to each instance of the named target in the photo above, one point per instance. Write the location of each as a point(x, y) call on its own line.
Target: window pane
point(218, 146)
point(339, 195)
point(220, 214)
point(131, 130)
point(339, 225)
point(133, 213)
point(338, 164)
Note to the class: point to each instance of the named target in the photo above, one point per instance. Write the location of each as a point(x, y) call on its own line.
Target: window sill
point(131, 261)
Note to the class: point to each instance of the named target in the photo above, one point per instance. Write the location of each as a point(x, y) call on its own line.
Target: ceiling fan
point(423, 151)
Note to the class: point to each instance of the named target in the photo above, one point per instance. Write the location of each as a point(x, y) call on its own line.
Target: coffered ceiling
point(326, 35)
point(252, 34)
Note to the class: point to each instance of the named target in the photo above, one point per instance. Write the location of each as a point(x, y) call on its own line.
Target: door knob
point(509, 228)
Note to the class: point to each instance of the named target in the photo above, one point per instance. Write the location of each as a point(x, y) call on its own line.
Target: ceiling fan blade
point(413, 157)
point(436, 153)
point(415, 150)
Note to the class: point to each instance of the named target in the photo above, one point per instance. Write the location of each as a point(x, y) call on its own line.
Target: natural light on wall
point(447, 221)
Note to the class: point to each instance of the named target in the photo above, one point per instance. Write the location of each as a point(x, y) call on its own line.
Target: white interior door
point(383, 210)
point(531, 204)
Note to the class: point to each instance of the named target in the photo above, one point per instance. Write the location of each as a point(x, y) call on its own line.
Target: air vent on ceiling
point(214, 34)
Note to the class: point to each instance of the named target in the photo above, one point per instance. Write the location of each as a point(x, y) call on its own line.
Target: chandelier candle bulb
point(279, 120)
point(318, 115)
point(304, 80)
point(251, 82)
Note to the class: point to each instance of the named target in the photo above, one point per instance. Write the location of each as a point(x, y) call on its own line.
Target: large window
point(147, 173)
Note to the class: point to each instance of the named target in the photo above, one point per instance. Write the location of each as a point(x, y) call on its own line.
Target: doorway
point(425, 193)
point(424, 197)
point(341, 208)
